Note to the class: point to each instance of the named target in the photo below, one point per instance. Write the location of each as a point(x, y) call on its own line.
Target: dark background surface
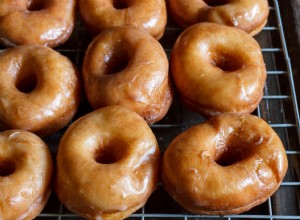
point(290, 12)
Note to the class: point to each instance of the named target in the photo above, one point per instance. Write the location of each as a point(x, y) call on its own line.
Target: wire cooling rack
point(279, 108)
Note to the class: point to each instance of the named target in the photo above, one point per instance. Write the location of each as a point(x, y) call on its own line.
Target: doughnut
point(126, 66)
point(44, 22)
point(25, 175)
point(39, 89)
point(224, 166)
point(106, 167)
point(250, 16)
point(218, 69)
point(148, 15)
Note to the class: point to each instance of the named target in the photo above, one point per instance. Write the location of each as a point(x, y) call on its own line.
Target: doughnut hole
point(216, 2)
point(26, 81)
point(116, 61)
point(6, 168)
point(226, 62)
point(120, 4)
point(36, 5)
point(233, 153)
point(110, 153)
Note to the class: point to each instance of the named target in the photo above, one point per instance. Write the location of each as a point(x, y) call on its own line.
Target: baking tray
point(279, 107)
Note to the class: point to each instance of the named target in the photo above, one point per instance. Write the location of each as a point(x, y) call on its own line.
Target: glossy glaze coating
point(148, 15)
point(218, 69)
point(126, 66)
point(25, 175)
point(39, 89)
point(45, 22)
point(250, 16)
point(107, 164)
point(224, 166)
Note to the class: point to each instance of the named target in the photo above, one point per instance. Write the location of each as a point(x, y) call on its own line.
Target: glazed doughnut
point(126, 66)
point(250, 16)
point(224, 166)
point(45, 22)
point(106, 167)
point(218, 69)
point(39, 89)
point(148, 15)
point(25, 175)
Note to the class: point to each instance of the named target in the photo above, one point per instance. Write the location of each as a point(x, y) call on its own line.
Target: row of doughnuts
point(221, 167)
point(50, 23)
point(129, 51)
point(41, 89)
point(107, 169)
point(40, 92)
point(119, 124)
point(234, 161)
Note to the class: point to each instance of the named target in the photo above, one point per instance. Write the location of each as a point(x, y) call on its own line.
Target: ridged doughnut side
point(51, 25)
point(250, 16)
point(25, 175)
point(147, 15)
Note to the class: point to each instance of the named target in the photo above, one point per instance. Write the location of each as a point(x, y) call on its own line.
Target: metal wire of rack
point(279, 108)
